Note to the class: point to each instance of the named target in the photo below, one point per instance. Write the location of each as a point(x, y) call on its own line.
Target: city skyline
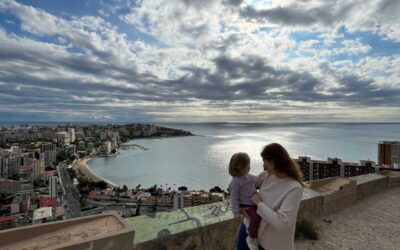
point(200, 61)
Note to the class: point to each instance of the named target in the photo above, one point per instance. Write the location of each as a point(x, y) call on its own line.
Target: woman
point(278, 200)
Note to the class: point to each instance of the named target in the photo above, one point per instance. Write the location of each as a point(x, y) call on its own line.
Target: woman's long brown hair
point(282, 161)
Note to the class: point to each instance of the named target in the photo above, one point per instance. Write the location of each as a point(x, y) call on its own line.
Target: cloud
point(375, 16)
point(212, 60)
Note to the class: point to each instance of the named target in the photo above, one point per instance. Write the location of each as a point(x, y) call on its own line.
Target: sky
point(200, 61)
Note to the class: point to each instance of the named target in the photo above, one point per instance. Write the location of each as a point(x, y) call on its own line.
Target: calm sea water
point(200, 162)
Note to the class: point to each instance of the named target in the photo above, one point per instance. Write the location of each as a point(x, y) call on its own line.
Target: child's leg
point(255, 220)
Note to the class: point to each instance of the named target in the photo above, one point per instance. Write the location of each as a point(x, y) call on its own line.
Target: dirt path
point(373, 223)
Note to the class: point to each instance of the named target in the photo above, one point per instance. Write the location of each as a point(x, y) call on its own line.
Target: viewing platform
point(196, 227)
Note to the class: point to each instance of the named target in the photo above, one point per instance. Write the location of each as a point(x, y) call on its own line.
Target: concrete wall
point(311, 208)
point(334, 194)
point(221, 235)
point(120, 239)
point(339, 199)
point(393, 178)
point(368, 188)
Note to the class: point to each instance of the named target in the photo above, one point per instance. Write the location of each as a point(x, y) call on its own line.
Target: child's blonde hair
point(239, 165)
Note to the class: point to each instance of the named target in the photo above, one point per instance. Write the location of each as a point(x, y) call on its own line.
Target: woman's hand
point(243, 211)
point(255, 198)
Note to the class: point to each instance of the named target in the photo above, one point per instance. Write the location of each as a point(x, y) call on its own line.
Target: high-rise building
point(333, 167)
point(63, 137)
point(90, 147)
point(48, 146)
point(16, 151)
point(38, 169)
point(71, 132)
point(178, 201)
point(81, 145)
point(53, 186)
point(25, 174)
point(107, 147)
point(389, 152)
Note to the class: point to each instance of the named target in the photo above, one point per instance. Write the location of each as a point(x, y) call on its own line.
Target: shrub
point(305, 229)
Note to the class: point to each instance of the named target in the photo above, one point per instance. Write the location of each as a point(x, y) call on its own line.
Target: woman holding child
point(276, 204)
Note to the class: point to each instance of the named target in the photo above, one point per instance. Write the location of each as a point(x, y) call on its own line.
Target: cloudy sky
point(200, 60)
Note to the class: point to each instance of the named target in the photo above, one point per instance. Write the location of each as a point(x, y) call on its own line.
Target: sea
point(201, 162)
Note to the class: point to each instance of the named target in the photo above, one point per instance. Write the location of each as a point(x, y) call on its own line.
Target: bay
point(201, 162)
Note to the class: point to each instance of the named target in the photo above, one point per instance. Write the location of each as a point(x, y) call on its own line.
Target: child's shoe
point(252, 243)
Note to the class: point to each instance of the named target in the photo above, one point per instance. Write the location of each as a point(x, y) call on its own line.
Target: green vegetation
point(86, 185)
point(305, 229)
point(216, 189)
point(71, 173)
point(101, 184)
point(82, 154)
point(182, 188)
point(48, 168)
point(14, 177)
point(61, 156)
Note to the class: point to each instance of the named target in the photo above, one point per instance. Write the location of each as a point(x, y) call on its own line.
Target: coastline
point(81, 165)
point(84, 169)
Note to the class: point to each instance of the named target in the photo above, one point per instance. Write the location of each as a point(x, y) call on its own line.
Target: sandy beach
point(81, 166)
point(372, 223)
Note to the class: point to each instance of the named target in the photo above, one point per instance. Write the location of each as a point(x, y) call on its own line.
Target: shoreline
point(82, 164)
point(84, 169)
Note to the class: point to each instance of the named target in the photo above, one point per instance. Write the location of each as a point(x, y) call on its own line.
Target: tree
point(49, 168)
point(81, 154)
point(72, 158)
point(216, 189)
point(182, 188)
point(139, 202)
point(71, 173)
point(101, 184)
point(61, 156)
point(124, 188)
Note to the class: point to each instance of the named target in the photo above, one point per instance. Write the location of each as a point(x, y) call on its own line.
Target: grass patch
point(305, 229)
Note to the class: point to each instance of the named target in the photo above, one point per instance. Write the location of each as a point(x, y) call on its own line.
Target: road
point(71, 193)
point(123, 210)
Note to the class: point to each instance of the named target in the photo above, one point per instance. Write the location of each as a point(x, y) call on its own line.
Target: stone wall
point(370, 184)
point(221, 235)
point(393, 178)
point(343, 197)
point(311, 204)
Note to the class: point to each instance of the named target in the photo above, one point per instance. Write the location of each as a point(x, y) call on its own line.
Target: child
point(241, 189)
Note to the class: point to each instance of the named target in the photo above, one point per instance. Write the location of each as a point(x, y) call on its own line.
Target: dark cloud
point(300, 15)
point(233, 2)
point(252, 78)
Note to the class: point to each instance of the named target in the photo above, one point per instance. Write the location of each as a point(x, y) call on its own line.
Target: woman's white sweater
point(281, 200)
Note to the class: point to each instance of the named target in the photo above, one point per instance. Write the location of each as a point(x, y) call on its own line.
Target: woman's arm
point(285, 216)
point(258, 179)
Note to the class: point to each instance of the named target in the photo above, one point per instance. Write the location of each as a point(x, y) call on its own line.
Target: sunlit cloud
point(189, 60)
